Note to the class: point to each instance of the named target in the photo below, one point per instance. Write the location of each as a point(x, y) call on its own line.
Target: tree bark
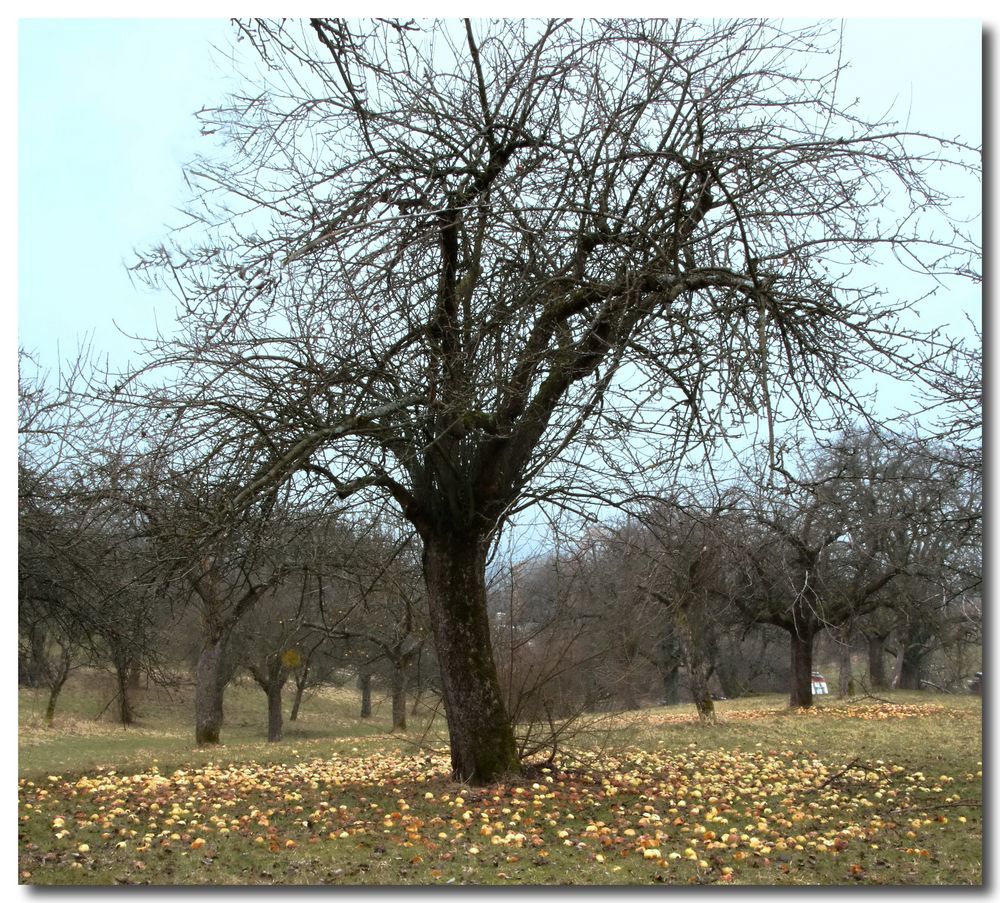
point(801, 677)
point(210, 685)
point(365, 685)
point(300, 688)
point(271, 678)
point(399, 694)
point(910, 670)
point(876, 663)
point(483, 747)
point(418, 685)
point(845, 680)
point(126, 712)
point(274, 720)
point(56, 682)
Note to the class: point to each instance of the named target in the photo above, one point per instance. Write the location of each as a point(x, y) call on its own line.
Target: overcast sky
point(106, 120)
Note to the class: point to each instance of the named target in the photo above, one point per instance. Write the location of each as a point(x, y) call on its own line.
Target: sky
point(106, 121)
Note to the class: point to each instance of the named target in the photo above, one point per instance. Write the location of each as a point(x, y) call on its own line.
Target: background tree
point(376, 604)
point(455, 264)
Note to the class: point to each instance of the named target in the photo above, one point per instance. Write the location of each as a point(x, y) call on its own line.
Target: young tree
point(450, 263)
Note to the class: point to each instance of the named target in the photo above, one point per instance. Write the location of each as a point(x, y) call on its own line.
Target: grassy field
point(870, 792)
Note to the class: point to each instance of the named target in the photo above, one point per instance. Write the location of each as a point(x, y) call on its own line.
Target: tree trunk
point(399, 694)
point(691, 638)
point(876, 663)
point(271, 678)
point(801, 677)
point(300, 688)
point(274, 722)
point(418, 685)
point(483, 748)
point(910, 670)
point(365, 685)
point(126, 713)
point(210, 684)
point(700, 693)
point(703, 701)
point(56, 682)
point(845, 680)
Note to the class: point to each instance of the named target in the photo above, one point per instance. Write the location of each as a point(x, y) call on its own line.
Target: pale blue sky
point(106, 120)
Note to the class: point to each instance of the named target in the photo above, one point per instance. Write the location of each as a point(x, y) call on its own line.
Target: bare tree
point(460, 265)
point(377, 608)
point(864, 517)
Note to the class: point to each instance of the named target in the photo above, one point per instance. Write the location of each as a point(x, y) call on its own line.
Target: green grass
point(765, 796)
point(85, 735)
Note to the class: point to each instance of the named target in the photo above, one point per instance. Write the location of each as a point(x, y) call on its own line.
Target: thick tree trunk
point(483, 748)
point(365, 685)
point(271, 678)
point(910, 670)
point(876, 663)
point(126, 712)
point(210, 684)
point(698, 668)
point(274, 721)
point(700, 693)
point(801, 676)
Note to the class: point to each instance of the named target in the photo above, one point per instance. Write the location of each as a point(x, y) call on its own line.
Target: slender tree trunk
point(876, 663)
point(58, 679)
point(801, 677)
point(483, 748)
point(210, 684)
point(300, 688)
point(50, 708)
point(418, 684)
point(845, 680)
point(365, 685)
point(399, 694)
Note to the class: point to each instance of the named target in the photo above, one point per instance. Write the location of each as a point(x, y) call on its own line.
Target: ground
point(862, 791)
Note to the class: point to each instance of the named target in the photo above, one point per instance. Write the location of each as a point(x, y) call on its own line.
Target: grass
point(869, 792)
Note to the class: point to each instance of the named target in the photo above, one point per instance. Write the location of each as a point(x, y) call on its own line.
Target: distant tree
point(452, 264)
point(378, 608)
point(219, 560)
point(859, 517)
point(84, 571)
point(267, 642)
